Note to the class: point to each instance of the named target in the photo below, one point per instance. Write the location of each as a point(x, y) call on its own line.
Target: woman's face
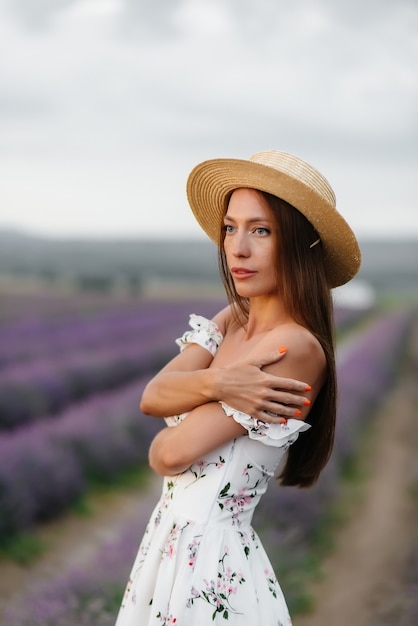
point(250, 243)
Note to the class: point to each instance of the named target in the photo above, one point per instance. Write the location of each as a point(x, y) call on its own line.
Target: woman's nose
point(240, 247)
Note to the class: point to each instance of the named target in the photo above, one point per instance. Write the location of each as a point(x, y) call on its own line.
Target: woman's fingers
point(281, 413)
point(279, 382)
point(284, 397)
point(269, 357)
point(248, 388)
point(289, 384)
point(282, 404)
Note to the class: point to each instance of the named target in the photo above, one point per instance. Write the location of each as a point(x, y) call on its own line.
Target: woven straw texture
point(210, 184)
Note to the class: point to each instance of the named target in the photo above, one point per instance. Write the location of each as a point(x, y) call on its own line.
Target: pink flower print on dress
point(219, 595)
point(166, 498)
point(199, 469)
point(248, 542)
point(272, 582)
point(234, 503)
point(192, 551)
point(127, 592)
point(166, 620)
point(169, 549)
point(245, 471)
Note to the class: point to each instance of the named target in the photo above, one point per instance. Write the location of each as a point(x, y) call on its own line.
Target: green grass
point(133, 477)
point(26, 547)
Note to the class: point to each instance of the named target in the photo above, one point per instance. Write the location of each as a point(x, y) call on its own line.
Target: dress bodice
point(226, 485)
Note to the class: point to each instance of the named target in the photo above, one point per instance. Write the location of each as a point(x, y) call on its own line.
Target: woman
point(237, 393)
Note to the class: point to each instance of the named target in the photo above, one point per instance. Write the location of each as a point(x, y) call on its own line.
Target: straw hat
point(211, 183)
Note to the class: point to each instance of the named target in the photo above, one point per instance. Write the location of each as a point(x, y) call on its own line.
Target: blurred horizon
point(143, 266)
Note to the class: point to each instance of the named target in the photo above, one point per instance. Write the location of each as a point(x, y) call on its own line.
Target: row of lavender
point(52, 454)
point(19, 302)
point(288, 518)
point(35, 337)
point(47, 365)
point(46, 466)
point(46, 335)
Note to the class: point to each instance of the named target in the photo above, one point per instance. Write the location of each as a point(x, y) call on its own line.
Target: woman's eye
point(228, 228)
point(262, 231)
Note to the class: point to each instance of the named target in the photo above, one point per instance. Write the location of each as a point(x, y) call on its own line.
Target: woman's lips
point(241, 272)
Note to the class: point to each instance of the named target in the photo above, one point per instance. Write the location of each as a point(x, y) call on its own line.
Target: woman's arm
point(244, 385)
point(187, 381)
point(207, 427)
point(174, 449)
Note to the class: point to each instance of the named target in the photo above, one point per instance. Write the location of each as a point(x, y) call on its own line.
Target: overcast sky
point(106, 105)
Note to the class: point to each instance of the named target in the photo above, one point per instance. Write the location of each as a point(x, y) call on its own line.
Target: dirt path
point(363, 578)
point(74, 539)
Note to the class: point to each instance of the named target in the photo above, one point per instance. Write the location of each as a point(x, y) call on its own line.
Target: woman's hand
point(247, 387)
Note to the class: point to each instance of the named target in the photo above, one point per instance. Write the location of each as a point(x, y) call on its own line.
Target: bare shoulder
point(305, 358)
point(299, 340)
point(225, 319)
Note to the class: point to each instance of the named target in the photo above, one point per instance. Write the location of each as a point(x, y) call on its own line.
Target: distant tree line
point(100, 265)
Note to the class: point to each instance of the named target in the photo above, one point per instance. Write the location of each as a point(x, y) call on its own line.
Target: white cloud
point(97, 96)
point(200, 18)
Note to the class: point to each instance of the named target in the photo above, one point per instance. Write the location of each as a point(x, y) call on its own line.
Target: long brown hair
point(303, 286)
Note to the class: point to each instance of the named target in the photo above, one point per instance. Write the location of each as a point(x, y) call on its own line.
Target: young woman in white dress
point(239, 393)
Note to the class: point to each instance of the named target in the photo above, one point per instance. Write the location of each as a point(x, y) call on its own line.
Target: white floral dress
point(200, 562)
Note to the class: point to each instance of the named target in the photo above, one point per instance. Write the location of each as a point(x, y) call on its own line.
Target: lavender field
point(71, 375)
point(70, 385)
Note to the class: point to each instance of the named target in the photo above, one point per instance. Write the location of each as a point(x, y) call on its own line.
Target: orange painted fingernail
point(298, 413)
point(283, 420)
point(282, 350)
point(307, 402)
point(308, 388)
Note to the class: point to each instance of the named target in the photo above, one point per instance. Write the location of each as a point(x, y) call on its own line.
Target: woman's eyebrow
point(250, 220)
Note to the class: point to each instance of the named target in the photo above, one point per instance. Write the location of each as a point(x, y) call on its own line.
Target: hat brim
point(211, 183)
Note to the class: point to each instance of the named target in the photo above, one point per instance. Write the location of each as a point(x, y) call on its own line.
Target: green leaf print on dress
point(219, 593)
point(237, 502)
point(199, 469)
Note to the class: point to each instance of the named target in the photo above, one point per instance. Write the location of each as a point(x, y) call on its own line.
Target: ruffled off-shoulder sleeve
point(205, 333)
point(279, 435)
